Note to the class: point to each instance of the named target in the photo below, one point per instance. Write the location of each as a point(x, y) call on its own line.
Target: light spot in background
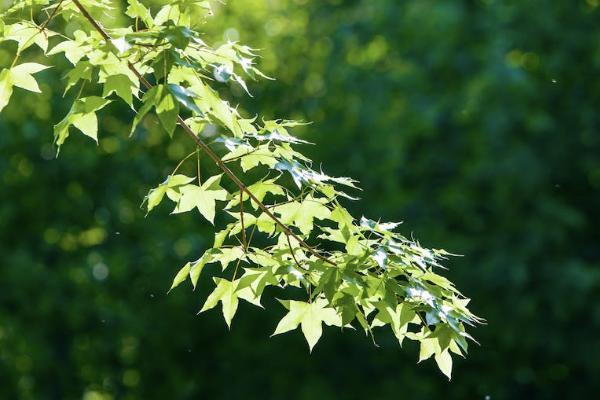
point(68, 242)
point(23, 363)
point(126, 213)
point(25, 168)
point(594, 178)
point(92, 236)
point(131, 377)
point(231, 34)
point(531, 60)
point(176, 150)
point(274, 26)
point(314, 85)
point(74, 190)
point(100, 271)
point(110, 144)
point(182, 247)
point(129, 349)
point(51, 236)
point(48, 152)
point(517, 58)
point(96, 395)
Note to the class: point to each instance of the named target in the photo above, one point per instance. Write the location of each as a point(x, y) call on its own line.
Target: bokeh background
point(476, 122)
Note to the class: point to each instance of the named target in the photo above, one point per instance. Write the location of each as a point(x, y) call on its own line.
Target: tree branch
point(204, 147)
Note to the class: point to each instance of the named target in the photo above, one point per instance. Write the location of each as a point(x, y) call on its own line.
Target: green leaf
point(265, 224)
point(185, 97)
point(6, 87)
point(135, 9)
point(257, 279)
point(167, 110)
point(121, 85)
point(82, 71)
point(181, 276)
point(259, 189)
point(303, 214)
point(310, 316)
point(27, 34)
point(198, 265)
point(429, 347)
point(228, 294)
point(86, 123)
point(22, 76)
point(293, 318)
point(82, 116)
point(444, 362)
point(74, 52)
point(156, 195)
point(260, 156)
point(221, 236)
point(230, 254)
point(202, 197)
point(148, 101)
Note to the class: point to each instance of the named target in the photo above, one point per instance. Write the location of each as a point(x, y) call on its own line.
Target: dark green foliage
point(474, 122)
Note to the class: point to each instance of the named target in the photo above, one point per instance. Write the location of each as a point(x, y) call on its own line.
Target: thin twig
point(51, 17)
point(181, 162)
point(198, 159)
point(293, 254)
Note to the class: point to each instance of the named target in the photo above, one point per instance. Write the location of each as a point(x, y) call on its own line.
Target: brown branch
point(242, 220)
point(51, 17)
point(293, 254)
point(204, 147)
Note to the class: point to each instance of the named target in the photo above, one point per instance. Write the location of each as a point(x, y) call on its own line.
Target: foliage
point(365, 272)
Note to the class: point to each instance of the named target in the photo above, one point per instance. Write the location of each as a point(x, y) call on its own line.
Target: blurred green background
point(475, 121)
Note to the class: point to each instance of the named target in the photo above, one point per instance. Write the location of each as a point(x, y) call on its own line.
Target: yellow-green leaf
point(181, 276)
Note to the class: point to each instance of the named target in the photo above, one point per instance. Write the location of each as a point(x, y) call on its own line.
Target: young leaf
point(6, 87)
point(22, 76)
point(302, 214)
point(444, 362)
point(185, 97)
point(181, 276)
point(228, 294)
point(156, 195)
point(202, 197)
point(83, 117)
point(310, 316)
point(121, 85)
point(198, 265)
point(167, 110)
point(148, 101)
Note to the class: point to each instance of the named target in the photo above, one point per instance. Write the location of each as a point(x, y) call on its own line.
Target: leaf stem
point(51, 17)
point(242, 220)
point(182, 161)
point(198, 164)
